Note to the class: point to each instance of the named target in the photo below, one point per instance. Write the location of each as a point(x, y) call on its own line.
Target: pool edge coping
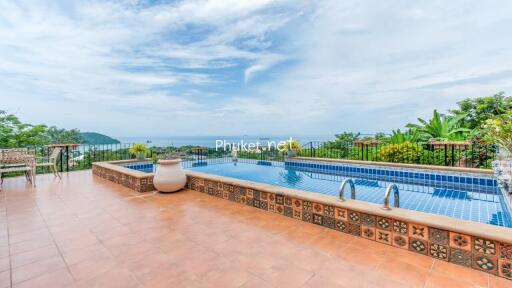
point(493, 232)
point(397, 165)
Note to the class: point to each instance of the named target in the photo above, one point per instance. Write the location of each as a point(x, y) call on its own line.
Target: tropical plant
point(405, 152)
point(139, 150)
point(441, 128)
point(290, 145)
point(499, 131)
point(399, 137)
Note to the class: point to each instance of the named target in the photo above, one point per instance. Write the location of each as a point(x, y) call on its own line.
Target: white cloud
point(194, 67)
point(372, 67)
point(93, 57)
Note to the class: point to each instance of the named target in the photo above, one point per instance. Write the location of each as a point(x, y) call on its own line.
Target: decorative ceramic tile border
point(470, 251)
point(139, 184)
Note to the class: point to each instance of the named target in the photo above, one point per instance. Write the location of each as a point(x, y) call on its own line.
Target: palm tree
point(441, 128)
point(399, 137)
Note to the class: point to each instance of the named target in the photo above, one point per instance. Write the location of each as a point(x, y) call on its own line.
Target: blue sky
point(259, 67)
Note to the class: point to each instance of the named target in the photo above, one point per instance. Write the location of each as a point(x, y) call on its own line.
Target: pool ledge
point(396, 165)
point(133, 179)
point(488, 231)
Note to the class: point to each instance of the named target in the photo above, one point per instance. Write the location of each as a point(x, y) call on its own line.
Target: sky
point(256, 67)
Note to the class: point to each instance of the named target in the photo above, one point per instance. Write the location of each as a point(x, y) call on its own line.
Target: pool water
point(465, 201)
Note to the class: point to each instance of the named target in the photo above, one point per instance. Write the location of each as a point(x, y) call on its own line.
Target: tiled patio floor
point(87, 232)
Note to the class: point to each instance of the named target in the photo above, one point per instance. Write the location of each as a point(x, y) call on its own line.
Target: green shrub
point(405, 152)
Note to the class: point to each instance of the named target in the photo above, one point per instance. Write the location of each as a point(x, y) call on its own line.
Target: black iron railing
point(81, 157)
point(471, 155)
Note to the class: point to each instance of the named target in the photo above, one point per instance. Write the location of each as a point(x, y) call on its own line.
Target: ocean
point(210, 141)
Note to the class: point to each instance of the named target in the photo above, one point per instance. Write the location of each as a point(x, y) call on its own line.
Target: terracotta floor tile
point(403, 272)
point(57, 279)
point(114, 278)
point(78, 242)
point(128, 252)
point(4, 251)
point(35, 255)
point(5, 279)
point(172, 276)
point(36, 269)
point(324, 282)
point(498, 282)
point(110, 236)
point(95, 252)
point(437, 280)
point(361, 256)
point(226, 278)
point(310, 259)
point(344, 273)
point(372, 280)
point(5, 263)
point(88, 269)
point(410, 257)
point(458, 272)
point(286, 275)
point(38, 234)
point(31, 244)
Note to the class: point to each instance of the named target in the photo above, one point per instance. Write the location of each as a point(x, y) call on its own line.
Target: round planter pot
point(169, 176)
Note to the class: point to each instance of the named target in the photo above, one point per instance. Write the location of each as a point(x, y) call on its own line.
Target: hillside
point(97, 138)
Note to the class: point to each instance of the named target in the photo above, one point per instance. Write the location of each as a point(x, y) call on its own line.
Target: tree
point(14, 133)
point(56, 135)
point(478, 110)
point(441, 127)
point(499, 131)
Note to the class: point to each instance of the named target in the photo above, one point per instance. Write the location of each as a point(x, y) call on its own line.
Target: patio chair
point(16, 160)
point(50, 161)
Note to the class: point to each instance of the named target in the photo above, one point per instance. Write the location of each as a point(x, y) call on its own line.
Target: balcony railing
point(471, 155)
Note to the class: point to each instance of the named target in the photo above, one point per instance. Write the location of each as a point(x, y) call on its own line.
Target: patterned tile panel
point(505, 268)
point(418, 231)
point(438, 251)
point(138, 184)
point(485, 263)
point(460, 241)
point(438, 236)
point(465, 250)
point(418, 245)
point(484, 246)
point(383, 236)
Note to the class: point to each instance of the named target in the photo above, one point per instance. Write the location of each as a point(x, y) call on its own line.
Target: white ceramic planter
point(169, 176)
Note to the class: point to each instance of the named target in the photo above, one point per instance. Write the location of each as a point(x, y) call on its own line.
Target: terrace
point(85, 231)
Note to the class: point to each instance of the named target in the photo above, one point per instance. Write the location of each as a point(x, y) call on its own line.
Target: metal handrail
point(396, 192)
point(352, 189)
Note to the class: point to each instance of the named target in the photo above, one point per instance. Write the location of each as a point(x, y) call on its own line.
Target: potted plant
point(139, 150)
point(291, 148)
point(169, 175)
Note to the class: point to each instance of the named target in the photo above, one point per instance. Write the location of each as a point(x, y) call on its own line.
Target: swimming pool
point(473, 197)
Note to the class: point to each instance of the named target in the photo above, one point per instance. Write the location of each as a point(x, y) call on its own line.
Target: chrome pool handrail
point(352, 189)
point(396, 192)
